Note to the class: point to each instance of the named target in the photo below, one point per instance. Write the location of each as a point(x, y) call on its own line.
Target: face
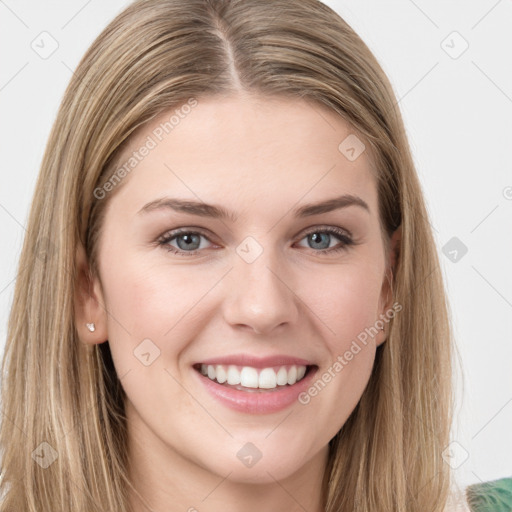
point(273, 284)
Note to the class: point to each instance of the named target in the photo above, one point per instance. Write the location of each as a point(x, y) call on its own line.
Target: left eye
point(189, 242)
point(319, 236)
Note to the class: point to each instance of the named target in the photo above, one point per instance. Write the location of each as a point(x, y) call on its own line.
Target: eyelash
point(345, 239)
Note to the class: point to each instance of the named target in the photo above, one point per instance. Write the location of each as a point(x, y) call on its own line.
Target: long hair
point(62, 400)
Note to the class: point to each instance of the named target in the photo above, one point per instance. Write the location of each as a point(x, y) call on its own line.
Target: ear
point(89, 302)
point(386, 301)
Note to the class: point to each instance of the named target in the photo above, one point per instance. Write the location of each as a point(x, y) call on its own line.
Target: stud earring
point(91, 327)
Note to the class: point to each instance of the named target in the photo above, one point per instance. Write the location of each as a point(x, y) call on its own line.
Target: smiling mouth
point(250, 379)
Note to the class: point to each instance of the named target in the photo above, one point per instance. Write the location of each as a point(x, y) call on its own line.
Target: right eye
point(185, 239)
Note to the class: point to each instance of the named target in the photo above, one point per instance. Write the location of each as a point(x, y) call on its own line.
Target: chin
point(250, 465)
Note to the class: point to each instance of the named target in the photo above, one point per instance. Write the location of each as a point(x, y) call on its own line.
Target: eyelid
point(320, 227)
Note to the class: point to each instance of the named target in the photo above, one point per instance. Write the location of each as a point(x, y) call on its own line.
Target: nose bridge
point(259, 296)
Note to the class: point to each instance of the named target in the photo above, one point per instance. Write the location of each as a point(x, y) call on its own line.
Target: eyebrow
point(219, 212)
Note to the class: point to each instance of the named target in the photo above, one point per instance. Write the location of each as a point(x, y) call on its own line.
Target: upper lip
point(256, 362)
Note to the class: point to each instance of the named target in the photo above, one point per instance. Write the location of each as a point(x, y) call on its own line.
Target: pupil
point(317, 237)
point(188, 239)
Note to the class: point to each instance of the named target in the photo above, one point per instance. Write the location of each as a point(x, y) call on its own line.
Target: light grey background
point(457, 105)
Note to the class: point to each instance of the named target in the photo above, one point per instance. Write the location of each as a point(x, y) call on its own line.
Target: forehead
point(247, 150)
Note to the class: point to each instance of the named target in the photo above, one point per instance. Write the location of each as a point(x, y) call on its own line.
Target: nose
point(260, 295)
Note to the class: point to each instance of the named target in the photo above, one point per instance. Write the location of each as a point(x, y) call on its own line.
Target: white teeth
point(267, 379)
point(282, 376)
point(233, 375)
point(292, 375)
point(220, 374)
point(249, 377)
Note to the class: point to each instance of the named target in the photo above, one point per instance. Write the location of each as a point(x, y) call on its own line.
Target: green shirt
point(493, 496)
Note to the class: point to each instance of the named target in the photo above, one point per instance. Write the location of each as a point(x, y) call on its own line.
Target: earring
point(91, 327)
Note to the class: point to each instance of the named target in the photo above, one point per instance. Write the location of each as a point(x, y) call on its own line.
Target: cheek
point(158, 303)
point(151, 317)
point(344, 301)
point(345, 304)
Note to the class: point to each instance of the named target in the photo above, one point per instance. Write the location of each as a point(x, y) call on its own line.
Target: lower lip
point(257, 401)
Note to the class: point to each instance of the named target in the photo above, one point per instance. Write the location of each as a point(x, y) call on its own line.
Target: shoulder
point(491, 496)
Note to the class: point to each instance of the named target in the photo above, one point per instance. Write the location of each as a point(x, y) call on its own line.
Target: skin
point(259, 157)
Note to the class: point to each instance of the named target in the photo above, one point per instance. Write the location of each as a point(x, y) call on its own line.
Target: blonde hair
point(153, 56)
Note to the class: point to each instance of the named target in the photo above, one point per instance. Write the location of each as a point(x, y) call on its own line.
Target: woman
point(257, 370)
